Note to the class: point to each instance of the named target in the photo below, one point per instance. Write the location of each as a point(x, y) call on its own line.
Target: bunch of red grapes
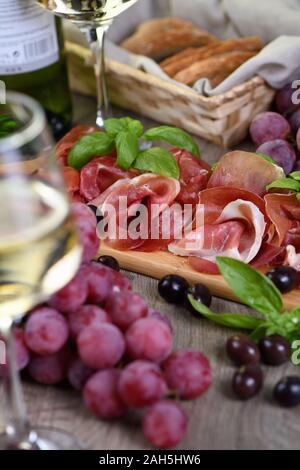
point(277, 134)
point(101, 336)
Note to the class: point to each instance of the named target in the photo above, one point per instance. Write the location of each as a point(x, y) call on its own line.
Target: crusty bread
point(189, 56)
point(216, 69)
point(160, 38)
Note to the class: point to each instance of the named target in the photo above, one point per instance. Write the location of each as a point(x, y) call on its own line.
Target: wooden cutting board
point(159, 264)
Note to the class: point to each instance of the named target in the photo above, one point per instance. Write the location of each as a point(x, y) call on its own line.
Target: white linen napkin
point(277, 22)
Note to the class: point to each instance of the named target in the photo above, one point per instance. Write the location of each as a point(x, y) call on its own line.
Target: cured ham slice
point(100, 174)
point(70, 139)
point(284, 212)
point(245, 170)
point(194, 176)
point(233, 224)
point(148, 194)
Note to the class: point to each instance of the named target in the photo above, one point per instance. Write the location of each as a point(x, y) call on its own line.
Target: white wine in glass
point(93, 17)
point(39, 250)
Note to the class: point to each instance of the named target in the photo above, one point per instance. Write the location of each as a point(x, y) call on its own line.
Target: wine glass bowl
point(93, 17)
point(85, 12)
point(39, 246)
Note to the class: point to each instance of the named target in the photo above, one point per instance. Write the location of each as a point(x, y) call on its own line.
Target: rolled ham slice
point(150, 194)
point(233, 224)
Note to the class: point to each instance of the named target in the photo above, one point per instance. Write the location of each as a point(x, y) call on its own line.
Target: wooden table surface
point(217, 420)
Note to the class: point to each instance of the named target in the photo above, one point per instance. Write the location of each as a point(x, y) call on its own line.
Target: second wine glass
point(93, 17)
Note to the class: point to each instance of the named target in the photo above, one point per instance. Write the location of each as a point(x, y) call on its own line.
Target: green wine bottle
point(33, 61)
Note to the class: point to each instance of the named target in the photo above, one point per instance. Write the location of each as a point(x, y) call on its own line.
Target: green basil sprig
point(157, 160)
point(285, 183)
point(124, 136)
point(257, 291)
point(173, 136)
point(89, 146)
point(291, 182)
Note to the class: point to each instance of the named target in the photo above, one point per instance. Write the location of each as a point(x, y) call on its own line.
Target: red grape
point(141, 384)
point(125, 308)
point(21, 351)
point(294, 121)
point(284, 100)
point(119, 282)
point(165, 424)
point(88, 239)
point(101, 346)
point(150, 339)
point(78, 374)
point(46, 331)
point(268, 126)
point(298, 139)
point(86, 225)
point(188, 372)
point(72, 296)
point(86, 315)
point(98, 279)
point(281, 151)
point(82, 211)
point(101, 396)
point(52, 369)
point(162, 317)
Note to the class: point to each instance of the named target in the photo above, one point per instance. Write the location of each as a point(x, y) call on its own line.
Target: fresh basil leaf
point(89, 146)
point(252, 287)
point(132, 125)
point(295, 175)
point(285, 183)
point(231, 320)
point(159, 161)
point(267, 157)
point(173, 136)
point(298, 197)
point(127, 146)
point(136, 128)
point(113, 126)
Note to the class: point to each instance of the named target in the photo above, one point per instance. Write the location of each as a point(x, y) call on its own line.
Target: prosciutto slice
point(284, 212)
point(245, 170)
point(100, 174)
point(148, 194)
point(194, 175)
point(233, 224)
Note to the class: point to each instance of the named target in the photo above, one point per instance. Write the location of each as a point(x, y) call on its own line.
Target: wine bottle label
point(28, 38)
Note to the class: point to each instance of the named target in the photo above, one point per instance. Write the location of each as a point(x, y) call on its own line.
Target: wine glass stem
point(96, 40)
point(16, 423)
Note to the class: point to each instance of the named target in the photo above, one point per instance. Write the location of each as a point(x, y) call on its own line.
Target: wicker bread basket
point(222, 119)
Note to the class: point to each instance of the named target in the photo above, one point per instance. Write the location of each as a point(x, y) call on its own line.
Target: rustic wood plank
point(217, 420)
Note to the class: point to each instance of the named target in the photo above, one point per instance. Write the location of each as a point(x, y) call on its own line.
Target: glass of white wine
point(39, 250)
point(93, 17)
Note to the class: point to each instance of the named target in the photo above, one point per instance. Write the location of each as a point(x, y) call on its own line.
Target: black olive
point(247, 381)
point(287, 391)
point(110, 262)
point(242, 350)
point(274, 349)
point(202, 294)
point(285, 278)
point(173, 288)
